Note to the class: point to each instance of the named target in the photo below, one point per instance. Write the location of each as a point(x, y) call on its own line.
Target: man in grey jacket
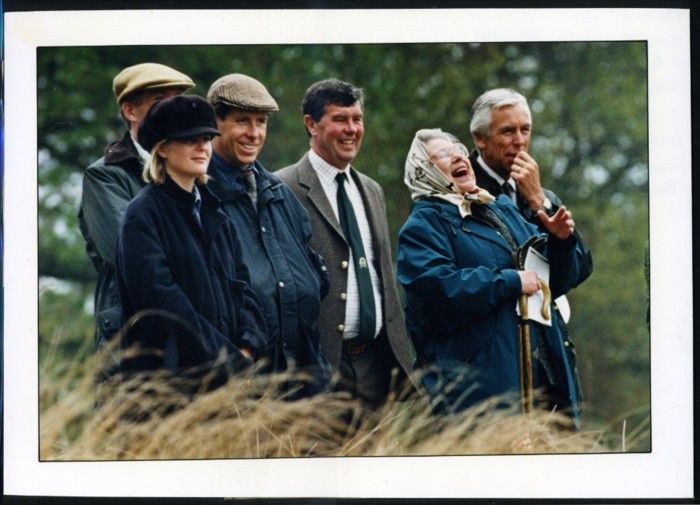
point(111, 182)
point(361, 321)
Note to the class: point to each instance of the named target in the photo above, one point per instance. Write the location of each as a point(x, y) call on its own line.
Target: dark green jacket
point(109, 185)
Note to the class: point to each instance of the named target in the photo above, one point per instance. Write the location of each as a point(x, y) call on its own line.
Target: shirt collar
point(143, 154)
point(326, 172)
point(229, 172)
point(493, 173)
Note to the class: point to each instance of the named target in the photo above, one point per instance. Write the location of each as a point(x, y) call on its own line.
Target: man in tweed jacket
point(333, 120)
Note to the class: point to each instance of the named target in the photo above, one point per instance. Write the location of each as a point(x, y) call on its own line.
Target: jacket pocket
point(109, 321)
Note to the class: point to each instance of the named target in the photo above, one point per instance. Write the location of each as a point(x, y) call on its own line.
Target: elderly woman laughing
point(462, 284)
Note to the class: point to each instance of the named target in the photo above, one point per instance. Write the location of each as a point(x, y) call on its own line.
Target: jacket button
point(341, 327)
point(281, 284)
point(263, 229)
point(343, 296)
point(343, 265)
point(566, 343)
point(323, 268)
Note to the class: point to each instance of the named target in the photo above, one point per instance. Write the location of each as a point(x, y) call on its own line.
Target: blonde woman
point(182, 282)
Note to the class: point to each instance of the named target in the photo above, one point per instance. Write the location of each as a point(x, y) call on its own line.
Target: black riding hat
point(177, 117)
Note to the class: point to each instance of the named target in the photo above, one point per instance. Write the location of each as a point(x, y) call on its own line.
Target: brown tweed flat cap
point(242, 92)
point(148, 76)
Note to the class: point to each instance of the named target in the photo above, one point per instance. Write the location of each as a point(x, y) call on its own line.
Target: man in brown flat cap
point(111, 182)
point(273, 228)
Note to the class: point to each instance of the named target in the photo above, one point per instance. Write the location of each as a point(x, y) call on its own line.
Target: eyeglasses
point(457, 150)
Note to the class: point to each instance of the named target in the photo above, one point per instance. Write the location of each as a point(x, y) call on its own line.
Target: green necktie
point(346, 216)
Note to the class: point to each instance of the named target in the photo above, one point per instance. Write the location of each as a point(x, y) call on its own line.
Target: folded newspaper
point(536, 262)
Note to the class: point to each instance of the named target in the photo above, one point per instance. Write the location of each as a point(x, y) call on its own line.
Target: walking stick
point(524, 344)
point(525, 357)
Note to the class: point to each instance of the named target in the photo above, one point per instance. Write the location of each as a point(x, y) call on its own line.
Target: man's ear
point(219, 126)
point(127, 109)
point(310, 124)
point(479, 140)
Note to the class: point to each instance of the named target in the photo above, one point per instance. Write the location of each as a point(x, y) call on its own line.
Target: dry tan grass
point(149, 417)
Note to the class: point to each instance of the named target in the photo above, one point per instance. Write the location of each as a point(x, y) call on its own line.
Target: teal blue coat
point(462, 287)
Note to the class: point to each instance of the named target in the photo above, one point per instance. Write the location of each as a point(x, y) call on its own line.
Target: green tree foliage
point(589, 137)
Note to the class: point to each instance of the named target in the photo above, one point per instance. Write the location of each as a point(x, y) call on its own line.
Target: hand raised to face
point(526, 173)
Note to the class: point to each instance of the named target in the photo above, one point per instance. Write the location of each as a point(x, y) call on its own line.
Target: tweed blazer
point(328, 239)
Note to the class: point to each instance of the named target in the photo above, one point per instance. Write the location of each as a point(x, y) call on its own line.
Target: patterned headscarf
point(424, 179)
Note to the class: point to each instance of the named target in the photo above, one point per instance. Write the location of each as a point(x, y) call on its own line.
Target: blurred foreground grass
point(150, 417)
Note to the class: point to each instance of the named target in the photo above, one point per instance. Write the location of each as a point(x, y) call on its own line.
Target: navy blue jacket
point(191, 280)
point(288, 276)
point(486, 181)
point(462, 287)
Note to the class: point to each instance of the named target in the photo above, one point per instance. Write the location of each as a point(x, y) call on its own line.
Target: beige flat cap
point(148, 76)
point(242, 92)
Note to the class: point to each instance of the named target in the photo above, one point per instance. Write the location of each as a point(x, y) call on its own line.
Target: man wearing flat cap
point(111, 182)
point(289, 277)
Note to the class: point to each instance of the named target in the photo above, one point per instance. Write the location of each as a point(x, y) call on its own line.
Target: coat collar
point(376, 214)
point(123, 153)
point(483, 179)
point(182, 197)
point(468, 224)
point(489, 183)
point(225, 185)
point(310, 181)
point(211, 215)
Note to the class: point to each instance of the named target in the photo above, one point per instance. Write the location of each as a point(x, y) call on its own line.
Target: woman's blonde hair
point(154, 170)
